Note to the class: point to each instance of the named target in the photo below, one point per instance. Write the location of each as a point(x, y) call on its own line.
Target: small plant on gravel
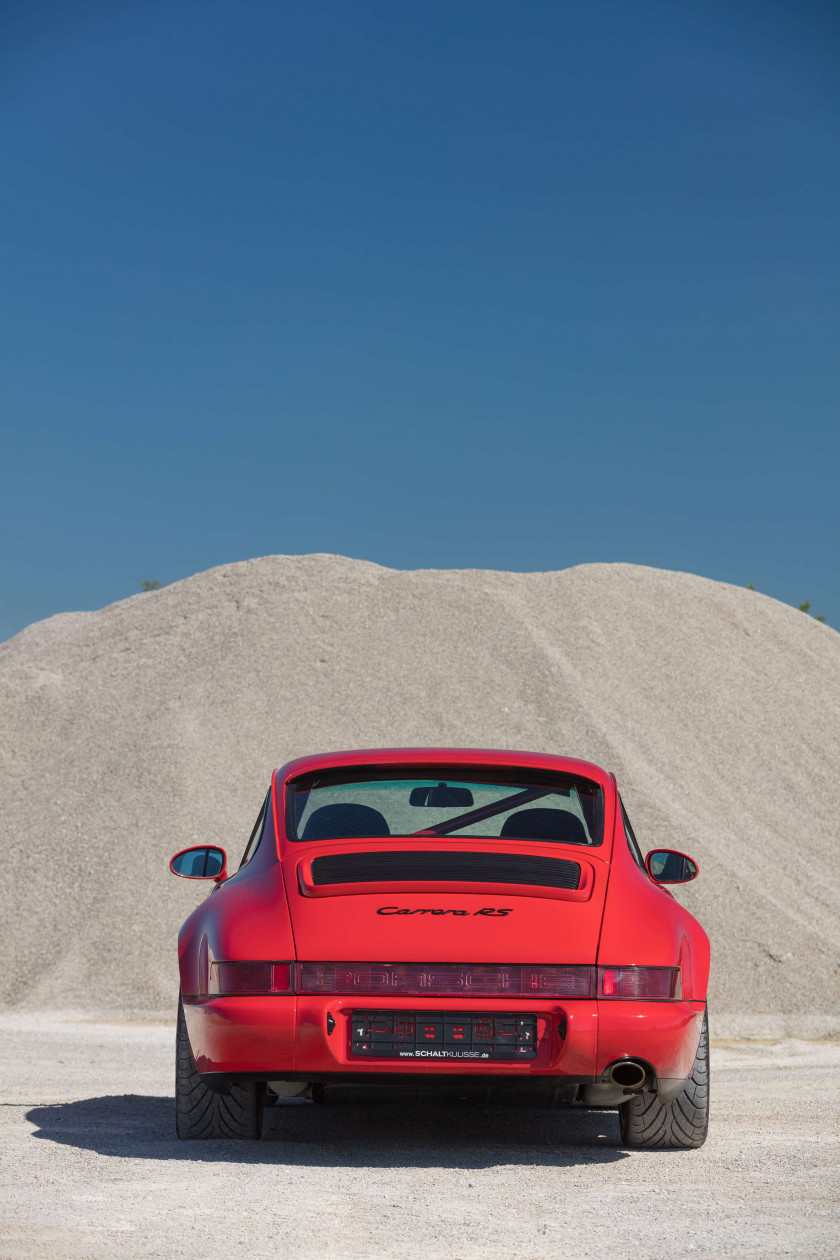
point(805, 607)
point(146, 585)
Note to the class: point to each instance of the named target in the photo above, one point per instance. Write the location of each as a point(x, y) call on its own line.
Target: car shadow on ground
point(377, 1135)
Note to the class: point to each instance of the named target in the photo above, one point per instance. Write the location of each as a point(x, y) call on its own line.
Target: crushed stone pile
point(129, 733)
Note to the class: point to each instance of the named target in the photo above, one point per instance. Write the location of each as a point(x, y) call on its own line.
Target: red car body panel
point(351, 928)
point(645, 925)
point(285, 1035)
point(271, 909)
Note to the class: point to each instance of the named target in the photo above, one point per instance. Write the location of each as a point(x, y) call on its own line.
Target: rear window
point(445, 802)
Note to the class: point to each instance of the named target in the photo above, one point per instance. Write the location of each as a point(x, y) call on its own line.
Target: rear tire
point(682, 1123)
point(201, 1112)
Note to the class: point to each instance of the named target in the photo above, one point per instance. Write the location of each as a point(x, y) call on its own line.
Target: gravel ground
point(91, 1167)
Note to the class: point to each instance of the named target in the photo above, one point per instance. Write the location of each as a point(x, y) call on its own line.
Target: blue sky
point(471, 284)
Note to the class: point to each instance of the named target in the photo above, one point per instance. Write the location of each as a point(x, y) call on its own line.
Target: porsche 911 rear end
point(449, 922)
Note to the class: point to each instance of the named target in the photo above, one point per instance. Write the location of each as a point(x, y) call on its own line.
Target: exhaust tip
point(628, 1074)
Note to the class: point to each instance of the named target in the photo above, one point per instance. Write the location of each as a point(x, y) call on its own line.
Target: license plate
point(438, 1035)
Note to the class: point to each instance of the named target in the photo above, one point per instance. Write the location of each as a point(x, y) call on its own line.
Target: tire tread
point(202, 1113)
point(682, 1123)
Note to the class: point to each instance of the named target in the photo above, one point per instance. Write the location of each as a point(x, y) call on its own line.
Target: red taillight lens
point(642, 983)
point(230, 978)
point(446, 980)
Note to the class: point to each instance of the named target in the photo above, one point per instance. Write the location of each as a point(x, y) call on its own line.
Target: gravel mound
point(129, 733)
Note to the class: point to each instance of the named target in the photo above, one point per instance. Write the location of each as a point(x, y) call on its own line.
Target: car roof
point(444, 756)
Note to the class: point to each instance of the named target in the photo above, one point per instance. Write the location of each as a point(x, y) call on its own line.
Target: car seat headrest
point(556, 825)
point(344, 822)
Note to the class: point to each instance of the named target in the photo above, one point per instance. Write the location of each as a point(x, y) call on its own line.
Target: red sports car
point(444, 920)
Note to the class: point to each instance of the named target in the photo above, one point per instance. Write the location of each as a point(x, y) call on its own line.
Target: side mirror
point(666, 866)
point(203, 861)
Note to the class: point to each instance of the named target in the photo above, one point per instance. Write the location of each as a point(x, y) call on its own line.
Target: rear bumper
point(309, 1037)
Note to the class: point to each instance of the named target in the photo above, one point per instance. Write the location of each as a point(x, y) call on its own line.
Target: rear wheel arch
point(682, 1123)
point(202, 1112)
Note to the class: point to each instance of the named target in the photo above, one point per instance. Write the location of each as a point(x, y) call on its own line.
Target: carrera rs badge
point(489, 912)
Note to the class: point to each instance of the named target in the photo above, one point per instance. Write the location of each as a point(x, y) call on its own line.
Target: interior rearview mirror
point(442, 797)
point(203, 861)
point(667, 866)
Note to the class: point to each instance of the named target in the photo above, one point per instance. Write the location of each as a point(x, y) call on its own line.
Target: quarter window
point(632, 843)
point(256, 834)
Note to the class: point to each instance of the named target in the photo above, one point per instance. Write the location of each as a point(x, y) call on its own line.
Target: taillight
point(641, 983)
point(446, 980)
point(230, 978)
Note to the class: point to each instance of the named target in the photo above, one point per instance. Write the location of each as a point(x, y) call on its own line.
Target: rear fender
point(644, 926)
point(246, 918)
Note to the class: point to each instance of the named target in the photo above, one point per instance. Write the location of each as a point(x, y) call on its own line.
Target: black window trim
point(632, 842)
point(257, 833)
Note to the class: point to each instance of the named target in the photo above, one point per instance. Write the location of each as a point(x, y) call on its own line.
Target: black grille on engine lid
point(425, 866)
